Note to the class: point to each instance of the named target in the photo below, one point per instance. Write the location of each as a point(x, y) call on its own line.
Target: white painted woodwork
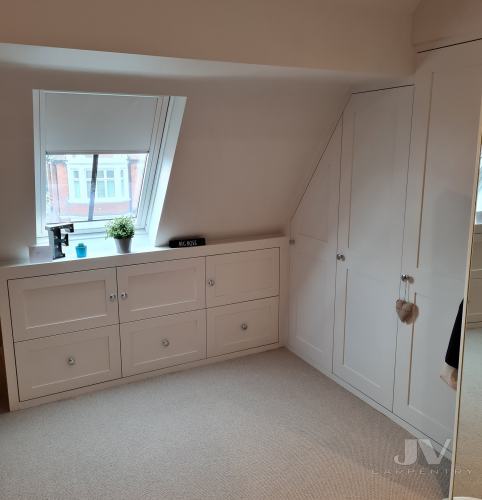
point(242, 326)
point(313, 261)
point(242, 276)
point(156, 343)
point(62, 362)
point(62, 303)
point(173, 277)
point(439, 201)
point(375, 154)
point(159, 288)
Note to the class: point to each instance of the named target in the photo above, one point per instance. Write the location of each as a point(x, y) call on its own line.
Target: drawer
point(242, 276)
point(63, 303)
point(157, 343)
point(242, 326)
point(56, 364)
point(151, 290)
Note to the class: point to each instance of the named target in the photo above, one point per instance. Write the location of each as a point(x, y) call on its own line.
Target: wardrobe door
point(313, 262)
point(375, 153)
point(439, 197)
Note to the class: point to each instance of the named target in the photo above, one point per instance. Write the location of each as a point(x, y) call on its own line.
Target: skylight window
point(97, 157)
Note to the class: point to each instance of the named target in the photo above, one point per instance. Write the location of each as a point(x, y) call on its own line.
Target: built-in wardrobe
point(385, 215)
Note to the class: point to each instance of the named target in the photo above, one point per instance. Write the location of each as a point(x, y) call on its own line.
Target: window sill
point(97, 246)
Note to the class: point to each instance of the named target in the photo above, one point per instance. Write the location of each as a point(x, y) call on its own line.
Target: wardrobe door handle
point(244, 326)
point(340, 256)
point(71, 361)
point(211, 282)
point(124, 295)
point(113, 297)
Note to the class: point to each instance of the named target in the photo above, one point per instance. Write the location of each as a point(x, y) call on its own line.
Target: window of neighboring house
point(97, 157)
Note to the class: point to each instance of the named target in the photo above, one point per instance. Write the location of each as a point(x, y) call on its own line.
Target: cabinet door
point(150, 290)
point(375, 153)
point(56, 364)
point(439, 203)
point(157, 343)
point(241, 276)
point(241, 326)
point(62, 303)
point(313, 261)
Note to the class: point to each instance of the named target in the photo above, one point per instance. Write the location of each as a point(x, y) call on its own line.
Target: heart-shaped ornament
point(407, 311)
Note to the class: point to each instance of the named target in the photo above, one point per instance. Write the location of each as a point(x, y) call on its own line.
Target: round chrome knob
point(165, 342)
point(112, 297)
point(244, 326)
point(211, 282)
point(406, 278)
point(71, 361)
point(340, 256)
point(124, 295)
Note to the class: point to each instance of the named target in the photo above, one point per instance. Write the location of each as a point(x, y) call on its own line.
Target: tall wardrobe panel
point(313, 263)
point(441, 176)
point(374, 166)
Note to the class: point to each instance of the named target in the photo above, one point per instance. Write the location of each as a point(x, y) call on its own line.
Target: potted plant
point(122, 230)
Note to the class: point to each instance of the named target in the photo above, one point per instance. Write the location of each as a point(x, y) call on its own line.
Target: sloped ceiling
point(371, 36)
point(250, 138)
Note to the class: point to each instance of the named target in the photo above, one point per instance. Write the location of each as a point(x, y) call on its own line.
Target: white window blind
point(77, 122)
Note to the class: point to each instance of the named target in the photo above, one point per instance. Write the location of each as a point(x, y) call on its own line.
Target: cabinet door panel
point(157, 343)
point(157, 289)
point(241, 276)
point(56, 364)
point(242, 326)
point(375, 154)
point(313, 261)
point(62, 303)
point(439, 202)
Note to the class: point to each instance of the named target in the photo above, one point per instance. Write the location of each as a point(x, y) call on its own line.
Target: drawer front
point(157, 343)
point(151, 290)
point(62, 303)
point(242, 276)
point(56, 364)
point(242, 326)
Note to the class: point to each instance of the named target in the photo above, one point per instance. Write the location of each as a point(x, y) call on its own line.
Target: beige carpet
point(468, 480)
point(266, 426)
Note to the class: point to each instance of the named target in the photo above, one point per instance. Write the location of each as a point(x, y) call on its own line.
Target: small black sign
point(187, 242)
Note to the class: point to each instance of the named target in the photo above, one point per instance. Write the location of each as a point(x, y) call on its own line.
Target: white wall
point(347, 35)
point(442, 22)
point(246, 150)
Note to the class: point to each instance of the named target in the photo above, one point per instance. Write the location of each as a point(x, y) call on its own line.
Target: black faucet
point(56, 239)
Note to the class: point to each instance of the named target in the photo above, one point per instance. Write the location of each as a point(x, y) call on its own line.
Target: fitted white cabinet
point(62, 362)
point(404, 208)
point(61, 303)
point(157, 343)
point(241, 326)
point(312, 261)
point(242, 276)
point(439, 203)
point(374, 165)
point(65, 333)
point(155, 289)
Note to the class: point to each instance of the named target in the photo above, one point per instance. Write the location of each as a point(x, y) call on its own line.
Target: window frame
point(152, 167)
